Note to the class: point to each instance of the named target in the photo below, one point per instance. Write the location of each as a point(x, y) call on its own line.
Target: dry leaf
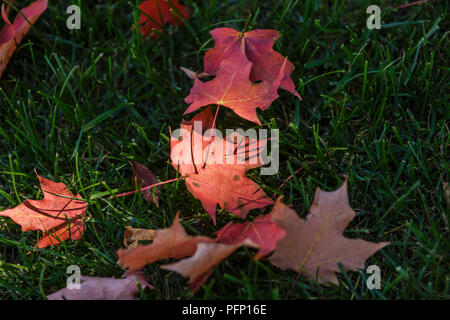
point(171, 242)
point(95, 288)
point(58, 216)
point(199, 267)
point(232, 88)
point(216, 178)
point(315, 246)
point(132, 236)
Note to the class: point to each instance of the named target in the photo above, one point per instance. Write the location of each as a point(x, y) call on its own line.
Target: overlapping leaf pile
point(238, 60)
point(247, 75)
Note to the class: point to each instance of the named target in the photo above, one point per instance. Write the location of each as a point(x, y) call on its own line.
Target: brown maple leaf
point(132, 236)
point(233, 89)
point(216, 178)
point(96, 288)
point(261, 231)
point(145, 177)
point(12, 33)
point(172, 242)
point(314, 246)
point(59, 215)
point(266, 62)
point(156, 13)
point(199, 267)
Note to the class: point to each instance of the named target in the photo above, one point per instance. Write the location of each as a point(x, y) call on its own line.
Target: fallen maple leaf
point(261, 231)
point(233, 89)
point(74, 230)
point(59, 215)
point(96, 288)
point(191, 150)
point(171, 242)
point(266, 62)
point(314, 246)
point(132, 236)
point(156, 13)
point(12, 33)
point(145, 177)
point(199, 267)
point(225, 182)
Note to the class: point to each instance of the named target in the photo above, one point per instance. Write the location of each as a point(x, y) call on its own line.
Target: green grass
point(77, 105)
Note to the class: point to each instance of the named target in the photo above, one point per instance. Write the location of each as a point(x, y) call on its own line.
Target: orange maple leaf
point(172, 242)
point(221, 180)
point(59, 215)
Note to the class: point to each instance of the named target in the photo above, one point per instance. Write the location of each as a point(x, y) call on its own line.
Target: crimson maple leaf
point(215, 172)
point(266, 62)
point(156, 13)
point(59, 215)
point(233, 89)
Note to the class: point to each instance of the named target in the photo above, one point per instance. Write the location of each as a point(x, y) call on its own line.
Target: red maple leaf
point(259, 51)
point(233, 89)
point(59, 215)
point(156, 13)
point(216, 172)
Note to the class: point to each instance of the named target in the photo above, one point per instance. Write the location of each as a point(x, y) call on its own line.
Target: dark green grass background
point(76, 105)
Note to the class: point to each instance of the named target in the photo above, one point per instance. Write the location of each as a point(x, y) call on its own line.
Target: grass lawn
point(77, 105)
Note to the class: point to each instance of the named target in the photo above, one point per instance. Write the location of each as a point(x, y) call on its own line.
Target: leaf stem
point(215, 117)
point(289, 178)
point(146, 188)
point(411, 4)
